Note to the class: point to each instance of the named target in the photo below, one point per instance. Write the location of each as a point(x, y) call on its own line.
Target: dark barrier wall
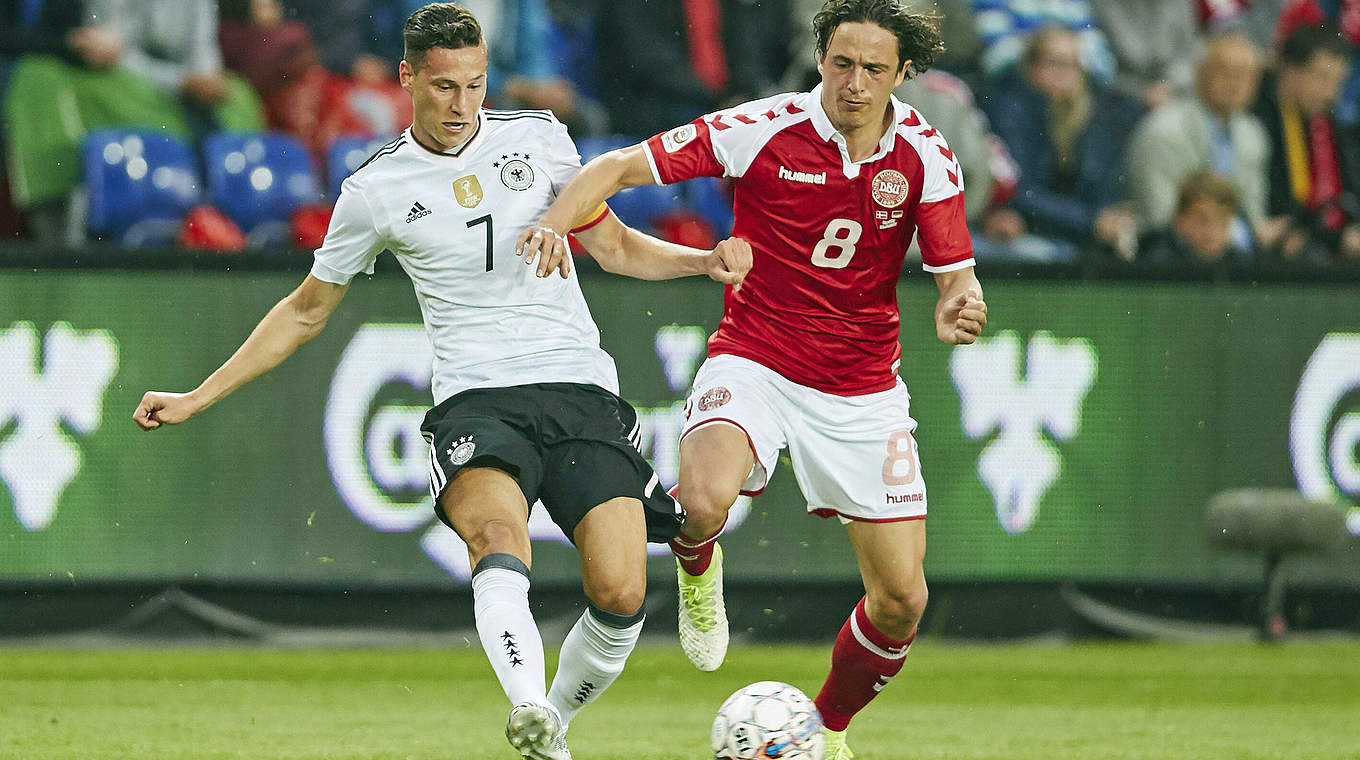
point(1082, 439)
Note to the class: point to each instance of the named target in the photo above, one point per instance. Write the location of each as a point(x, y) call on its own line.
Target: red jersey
point(820, 303)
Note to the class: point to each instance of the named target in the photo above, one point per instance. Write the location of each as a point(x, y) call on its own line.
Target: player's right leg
point(732, 436)
point(487, 509)
point(485, 471)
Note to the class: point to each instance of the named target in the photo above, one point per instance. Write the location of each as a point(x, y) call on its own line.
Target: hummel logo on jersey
point(811, 179)
point(417, 211)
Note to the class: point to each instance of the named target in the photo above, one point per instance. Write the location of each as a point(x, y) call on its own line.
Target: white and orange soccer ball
point(768, 720)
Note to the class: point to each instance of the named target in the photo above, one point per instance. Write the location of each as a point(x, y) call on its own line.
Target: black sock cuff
point(503, 561)
point(614, 619)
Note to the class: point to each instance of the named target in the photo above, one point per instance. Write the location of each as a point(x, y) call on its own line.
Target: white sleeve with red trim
point(720, 144)
point(941, 224)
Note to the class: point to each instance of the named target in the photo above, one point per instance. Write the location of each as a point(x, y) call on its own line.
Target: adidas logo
point(417, 211)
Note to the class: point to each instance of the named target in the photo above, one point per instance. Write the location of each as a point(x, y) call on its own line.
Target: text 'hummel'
point(416, 212)
point(811, 179)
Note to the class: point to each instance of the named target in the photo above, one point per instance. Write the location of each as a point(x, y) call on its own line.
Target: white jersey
point(452, 220)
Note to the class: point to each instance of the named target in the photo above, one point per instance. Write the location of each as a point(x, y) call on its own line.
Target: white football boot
point(703, 617)
point(537, 733)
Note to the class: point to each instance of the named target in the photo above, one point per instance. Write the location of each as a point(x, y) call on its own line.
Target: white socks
point(593, 656)
point(500, 598)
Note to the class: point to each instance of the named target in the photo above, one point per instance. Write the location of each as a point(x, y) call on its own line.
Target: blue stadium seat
point(708, 198)
point(140, 186)
point(259, 180)
point(346, 154)
point(641, 206)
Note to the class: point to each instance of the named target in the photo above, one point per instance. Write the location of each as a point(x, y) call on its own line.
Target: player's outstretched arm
point(960, 313)
point(623, 250)
point(293, 321)
point(603, 176)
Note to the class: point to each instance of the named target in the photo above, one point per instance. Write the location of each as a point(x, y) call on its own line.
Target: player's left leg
point(612, 542)
point(874, 641)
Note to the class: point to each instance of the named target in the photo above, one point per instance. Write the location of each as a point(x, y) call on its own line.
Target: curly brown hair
point(918, 34)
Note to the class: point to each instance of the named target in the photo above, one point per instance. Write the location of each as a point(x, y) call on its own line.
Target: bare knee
point(617, 595)
point(706, 503)
point(897, 609)
point(494, 536)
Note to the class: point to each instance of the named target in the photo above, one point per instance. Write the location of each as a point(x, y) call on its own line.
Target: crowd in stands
point(1186, 134)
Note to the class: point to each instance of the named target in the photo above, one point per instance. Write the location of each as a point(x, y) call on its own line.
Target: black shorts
point(569, 445)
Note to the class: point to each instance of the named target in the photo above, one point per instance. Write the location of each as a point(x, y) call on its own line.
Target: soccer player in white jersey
point(830, 187)
point(526, 400)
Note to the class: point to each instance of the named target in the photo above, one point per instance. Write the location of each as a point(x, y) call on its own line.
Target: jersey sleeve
point(684, 153)
point(941, 221)
point(563, 159)
point(720, 144)
point(352, 241)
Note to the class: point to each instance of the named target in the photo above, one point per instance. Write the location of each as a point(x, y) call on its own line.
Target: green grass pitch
point(1003, 702)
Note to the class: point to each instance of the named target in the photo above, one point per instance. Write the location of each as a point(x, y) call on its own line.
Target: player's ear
point(902, 73)
point(405, 73)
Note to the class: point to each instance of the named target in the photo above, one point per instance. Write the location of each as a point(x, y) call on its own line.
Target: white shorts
point(854, 456)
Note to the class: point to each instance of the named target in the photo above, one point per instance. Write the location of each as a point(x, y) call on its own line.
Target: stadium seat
point(259, 180)
point(345, 154)
point(639, 207)
point(140, 186)
point(708, 198)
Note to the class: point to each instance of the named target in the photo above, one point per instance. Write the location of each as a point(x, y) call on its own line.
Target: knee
point(621, 597)
point(493, 536)
point(706, 502)
point(897, 609)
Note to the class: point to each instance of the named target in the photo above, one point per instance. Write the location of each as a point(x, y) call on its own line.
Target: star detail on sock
point(511, 648)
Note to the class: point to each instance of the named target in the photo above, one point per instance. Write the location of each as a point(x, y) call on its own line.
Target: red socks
point(863, 661)
point(694, 556)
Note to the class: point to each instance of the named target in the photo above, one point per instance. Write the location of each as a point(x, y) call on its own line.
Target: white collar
point(822, 123)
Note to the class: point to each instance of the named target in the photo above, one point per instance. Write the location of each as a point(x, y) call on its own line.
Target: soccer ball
point(768, 719)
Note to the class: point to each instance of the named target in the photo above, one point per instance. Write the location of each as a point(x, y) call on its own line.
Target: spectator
point(663, 62)
point(270, 52)
point(152, 64)
point(1314, 171)
point(525, 71)
point(1200, 234)
point(1257, 18)
point(301, 96)
point(359, 39)
point(1152, 42)
point(41, 29)
point(1340, 15)
point(1067, 135)
point(1214, 130)
point(1004, 25)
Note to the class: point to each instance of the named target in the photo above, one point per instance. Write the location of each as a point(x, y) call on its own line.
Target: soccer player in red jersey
point(830, 187)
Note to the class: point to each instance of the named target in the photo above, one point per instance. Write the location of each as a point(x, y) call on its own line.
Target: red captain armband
point(592, 219)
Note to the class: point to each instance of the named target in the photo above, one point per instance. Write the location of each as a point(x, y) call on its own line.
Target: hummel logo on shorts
point(417, 211)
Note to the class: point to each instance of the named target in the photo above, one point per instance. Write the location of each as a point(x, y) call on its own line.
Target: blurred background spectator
point(1006, 25)
point(1210, 130)
point(1200, 234)
point(666, 62)
point(1341, 17)
point(1258, 18)
point(1153, 42)
point(1076, 122)
point(1314, 176)
point(1067, 134)
point(151, 63)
